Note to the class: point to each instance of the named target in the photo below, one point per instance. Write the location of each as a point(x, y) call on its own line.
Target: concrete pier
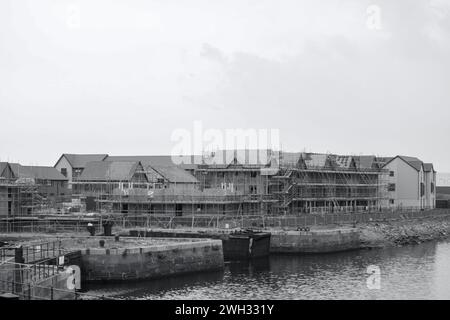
point(144, 258)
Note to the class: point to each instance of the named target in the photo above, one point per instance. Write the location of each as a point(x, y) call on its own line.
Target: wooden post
point(51, 293)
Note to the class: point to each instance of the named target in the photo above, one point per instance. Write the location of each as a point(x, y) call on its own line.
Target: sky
point(120, 77)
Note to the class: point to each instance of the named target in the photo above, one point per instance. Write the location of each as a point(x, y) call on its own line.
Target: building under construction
point(307, 183)
point(18, 198)
point(275, 184)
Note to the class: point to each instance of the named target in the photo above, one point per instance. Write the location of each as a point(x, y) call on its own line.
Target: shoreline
point(403, 232)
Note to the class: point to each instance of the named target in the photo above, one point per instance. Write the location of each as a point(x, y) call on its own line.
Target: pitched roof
point(344, 161)
point(366, 162)
point(174, 174)
point(385, 160)
point(414, 162)
point(109, 170)
point(163, 165)
point(289, 158)
point(80, 160)
point(3, 165)
point(20, 171)
point(35, 172)
point(317, 160)
point(260, 157)
point(44, 173)
point(188, 162)
point(428, 167)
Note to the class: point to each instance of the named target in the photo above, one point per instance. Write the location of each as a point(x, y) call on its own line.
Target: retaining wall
point(314, 241)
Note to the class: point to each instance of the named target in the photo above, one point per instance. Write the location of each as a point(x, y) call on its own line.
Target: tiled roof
point(244, 157)
point(3, 166)
point(428, 167)
point(44, 173)
point(109, 171)
point(35, 172)
point(20, 171)
point(188, 163)
point(318, 160)
point(163, 165)
point(174, 174)
point(365, 162)
point(344, 161)
point(80, 160)
point(416, 163)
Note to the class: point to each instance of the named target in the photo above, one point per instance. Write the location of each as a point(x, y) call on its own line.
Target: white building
point(411, 183)
point(430, 185)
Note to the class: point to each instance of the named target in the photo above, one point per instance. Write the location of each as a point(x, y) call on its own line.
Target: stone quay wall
point(154, 261)
point(318, 241)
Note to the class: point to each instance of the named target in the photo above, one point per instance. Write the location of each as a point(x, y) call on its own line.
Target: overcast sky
point(119, 77)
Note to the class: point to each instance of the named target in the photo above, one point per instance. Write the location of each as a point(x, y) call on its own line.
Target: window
point(391, 187)
point(64, 172)
point(391, 201)
point(422, 189)
point(391, 173)
point(253, 174)
point(432, 187)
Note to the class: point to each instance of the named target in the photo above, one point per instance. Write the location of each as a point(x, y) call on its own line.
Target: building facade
point(71, 166)
point(411, 183)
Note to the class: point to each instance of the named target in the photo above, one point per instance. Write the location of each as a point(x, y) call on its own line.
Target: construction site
point(18, 198)
point(289, 184)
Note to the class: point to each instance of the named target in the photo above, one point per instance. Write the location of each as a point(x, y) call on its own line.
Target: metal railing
point(32, 291)
point(313, 218)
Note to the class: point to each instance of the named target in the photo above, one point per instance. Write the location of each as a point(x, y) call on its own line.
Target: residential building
point(52, 186)
point(411, 183)
point(71, 166)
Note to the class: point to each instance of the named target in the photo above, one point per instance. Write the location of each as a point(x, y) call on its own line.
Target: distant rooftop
point(80, 160)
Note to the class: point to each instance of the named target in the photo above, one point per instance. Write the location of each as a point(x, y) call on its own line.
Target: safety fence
point(53, 225)
point(261, 221)
point(212, 221)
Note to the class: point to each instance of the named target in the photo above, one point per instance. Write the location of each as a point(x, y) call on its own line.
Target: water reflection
point(412, 272)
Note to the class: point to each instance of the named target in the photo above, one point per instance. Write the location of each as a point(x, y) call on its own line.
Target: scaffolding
point(335, 186)
point(19, 198)
point(328, 189)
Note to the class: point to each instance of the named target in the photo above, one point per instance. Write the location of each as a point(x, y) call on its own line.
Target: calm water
point(412, 272)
